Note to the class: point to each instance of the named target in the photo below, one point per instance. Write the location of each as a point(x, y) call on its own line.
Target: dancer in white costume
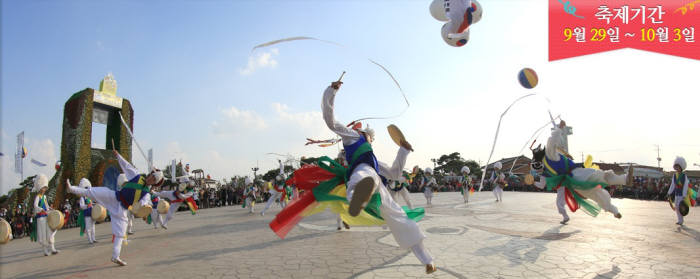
point(184, 192)
point(553, 163)
point(156, 217)
point(467, 183)
point(679, 187)
point(121, 180)
point(133, 193)
point(277, 191)
point(428, 184)
point(365, 178)
point(45, 235)
point(250, 195)
point(86, 207)
point(498, 180)
point(398, 188)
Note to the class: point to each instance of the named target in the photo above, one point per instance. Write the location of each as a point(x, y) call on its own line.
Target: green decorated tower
point(78, 158)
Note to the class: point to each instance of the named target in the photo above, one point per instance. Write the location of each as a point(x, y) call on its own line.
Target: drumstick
point(112, 144)
point(341, 76)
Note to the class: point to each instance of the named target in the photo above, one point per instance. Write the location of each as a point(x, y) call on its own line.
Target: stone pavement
point(520, 237)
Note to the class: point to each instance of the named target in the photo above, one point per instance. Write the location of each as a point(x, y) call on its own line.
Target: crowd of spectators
point(644, 188)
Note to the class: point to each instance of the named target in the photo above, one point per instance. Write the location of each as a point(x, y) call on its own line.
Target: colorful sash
point(326, 184)
point(679, 181)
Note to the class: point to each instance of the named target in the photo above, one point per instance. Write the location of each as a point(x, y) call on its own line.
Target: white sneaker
point(119, 261)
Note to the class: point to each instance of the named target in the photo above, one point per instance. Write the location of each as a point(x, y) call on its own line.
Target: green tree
point(309, 160)
point(453, 163)
point(474, 168)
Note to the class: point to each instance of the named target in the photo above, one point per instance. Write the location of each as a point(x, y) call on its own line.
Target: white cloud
point(262, 60)
point(310, 122)
point(43, 150)
point(235, 121)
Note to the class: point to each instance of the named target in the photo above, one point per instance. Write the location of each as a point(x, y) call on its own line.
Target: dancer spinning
point(467, 185)
point(678, 190)
point(249, 194)
point(427, 185)
point(277, 191)
point(366, 175)
point(133, 194)
point(184, 193)
point(580, 183)
point(87, 225)
point(44, 234)
point(498, 180)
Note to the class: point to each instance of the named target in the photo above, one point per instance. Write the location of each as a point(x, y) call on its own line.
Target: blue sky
point(184, 65)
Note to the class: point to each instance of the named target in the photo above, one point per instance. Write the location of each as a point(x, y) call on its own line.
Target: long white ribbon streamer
point(495, 138)
point(132, 137)
point(337, 44)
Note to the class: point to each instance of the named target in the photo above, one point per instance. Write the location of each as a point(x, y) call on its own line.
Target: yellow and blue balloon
point(527, 78)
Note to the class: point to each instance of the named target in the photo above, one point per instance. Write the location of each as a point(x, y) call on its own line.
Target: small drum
point(5, 231)
point(163, 207)
point(683, 207)
point(55, 220)
point(99, 213)
point(529, 179)
point(395, 134)
point(141, 211)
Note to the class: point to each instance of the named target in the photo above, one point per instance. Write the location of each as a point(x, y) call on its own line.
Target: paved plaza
point(519, 238)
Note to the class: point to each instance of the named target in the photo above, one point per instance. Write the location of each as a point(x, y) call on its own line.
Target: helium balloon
point(527, 78)
point(460, 40)
point(437, 10)
point(477, 11)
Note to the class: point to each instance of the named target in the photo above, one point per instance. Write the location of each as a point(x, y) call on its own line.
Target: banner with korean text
point(581, 27)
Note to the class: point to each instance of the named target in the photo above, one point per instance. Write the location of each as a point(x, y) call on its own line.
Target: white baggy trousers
point(405, 231)
point(117, 213)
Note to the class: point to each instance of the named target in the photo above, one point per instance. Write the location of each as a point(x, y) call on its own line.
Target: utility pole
point(658, 155)
point(255, 172)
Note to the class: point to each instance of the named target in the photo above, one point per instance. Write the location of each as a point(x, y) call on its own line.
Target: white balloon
point(437, 10)
point(459, 42)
